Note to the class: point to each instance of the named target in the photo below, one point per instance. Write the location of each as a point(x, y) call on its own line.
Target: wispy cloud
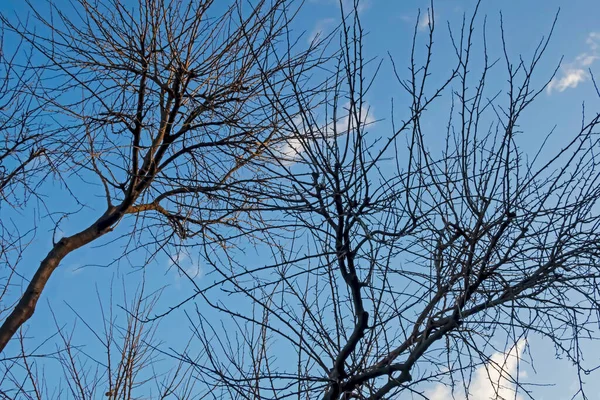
point(362, 5)
point(424, 20)
point(570, 78)
point(574, 73)
point(185, 266)
point(291, 150)
point(320, 29)
point(323, 25)
point(493, 380)
point(593, 40)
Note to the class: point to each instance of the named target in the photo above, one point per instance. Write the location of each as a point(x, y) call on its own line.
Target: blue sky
point(389, 25)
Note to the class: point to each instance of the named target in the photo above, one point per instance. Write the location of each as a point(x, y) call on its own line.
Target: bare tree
point(162, 109)
point(23, 157)
point(19, 125)
point(395, 260)
point(403, 256)
point(125, 364)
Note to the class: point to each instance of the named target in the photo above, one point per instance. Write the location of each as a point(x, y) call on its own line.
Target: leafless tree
point(400, 257)
point(125, 363)
point(160, 107)
point(395, 260)
point(23, 160)
point(19, 124)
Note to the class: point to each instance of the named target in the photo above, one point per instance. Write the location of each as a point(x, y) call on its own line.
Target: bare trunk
point(26, 306)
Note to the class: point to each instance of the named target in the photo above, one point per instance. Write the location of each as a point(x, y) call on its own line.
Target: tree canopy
point(389, 253)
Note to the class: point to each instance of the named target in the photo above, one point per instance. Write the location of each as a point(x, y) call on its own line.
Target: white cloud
point(439, 392)
point(586, 59)
point(570, 78)
point(574, 73)
point(492, 381)
point(366, 118)
point(593, 40)
point(291, 150)
point(185, 266)
point(194, 271)
point(362, 5)
point(323, 25)
point(424, 21)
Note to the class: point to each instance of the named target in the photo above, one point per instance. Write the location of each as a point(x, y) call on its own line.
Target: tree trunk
point(26, 306)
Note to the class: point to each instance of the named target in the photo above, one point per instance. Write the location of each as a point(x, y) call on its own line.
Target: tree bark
point(26, 305)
